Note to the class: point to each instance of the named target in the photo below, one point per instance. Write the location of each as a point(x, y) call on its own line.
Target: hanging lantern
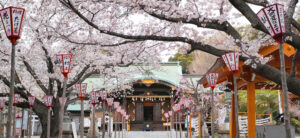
point(16, 98)
point(166, 115)
point(2, 103)
point(65, 62)
point(231, 60)
point(176, 108)
point(187, 103)
point(110, 102)
point(12, 20)
point(272, 17)
point(116, 105)
point(48, 101)
point(126, 117)
point(118, 109)
point(212, 79)
point(103, 95)
point(81, 90)
point(93, 98)
point(31, 100)
point(62, 101)
point(170, 113)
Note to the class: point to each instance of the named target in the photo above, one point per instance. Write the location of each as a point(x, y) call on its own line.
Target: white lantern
point(93, 98)
point(166, 115)
point(48, 101)
point(212, 79)
point(116, 105)
point(16, 98)
point(81, 90)
point(231, 60)
point(64, 60)
point(110, 102)
point(272, 18)
point(31, 100)
point(12, 20)
point(170, 113)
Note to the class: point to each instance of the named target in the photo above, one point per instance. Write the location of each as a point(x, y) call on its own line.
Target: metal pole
point(176, 128)
point(29, 123)
point(187, 121)
point(103, 119)
point(82, 119)
point(14, 122)
point(212, 114)
point(190, 123)
point(122, 126)
point(48, 124)
point(180, 127)
point(1, 123)
point(93, 122)
point(116, 120)
point(11, 93)
point(119, 126)
point(22, 119)
point(62, 109)
point(236, 111)
point(285, 93)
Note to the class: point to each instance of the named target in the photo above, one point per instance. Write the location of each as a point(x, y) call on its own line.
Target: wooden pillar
point(251, 110)
point(232, 131)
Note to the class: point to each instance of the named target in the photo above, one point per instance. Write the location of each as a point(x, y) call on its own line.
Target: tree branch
point(293, 73)
point(290, 13)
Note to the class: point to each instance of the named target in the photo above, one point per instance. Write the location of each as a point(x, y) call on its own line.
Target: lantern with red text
point(170, 113)
point(231, 60)
point(110, 102)
point(103, 95)
point(212, 79)
point(166, 115)
point(93, 98)
point(31, 100)
point(126, 117)
point(2, 103)
point(116, 105)
point(16, 99)
point(176, 108)
point(118, 109)
point(272, 17)
point(62, 101)
point(64, 60)
point(12, 20)
point(81, 90)
point(48, 101)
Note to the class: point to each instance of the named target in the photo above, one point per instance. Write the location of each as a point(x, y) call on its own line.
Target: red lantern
point(166, 115)
point(118, 109)
point(2, 103)
point(12, 20)
point(48, 101)
point(62, 101)
point(31, 100)
point(126, 117)
point(65, 62)
point(16, 98)
point(212, 79)
point(81, 89)
point(170, 113)
point(110, 102)
point(93, 98)
point(272, 18)
point(231, 60)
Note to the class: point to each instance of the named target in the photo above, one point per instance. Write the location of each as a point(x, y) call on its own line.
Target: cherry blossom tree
point(188, 24)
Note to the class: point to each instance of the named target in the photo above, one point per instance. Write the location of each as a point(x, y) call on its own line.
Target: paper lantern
point(16, 98)
point(12, 20)
point(212, 79)
point(48, 101)
point(231, 60)
point(31, 100)
point(93, 98)
point(2, 103)
point(110, 102)
point(116, 105)
point(81, 90)
point(166, 115)
point(64, 60)
point(272, 17)
point(176, 108)
point(170, 113)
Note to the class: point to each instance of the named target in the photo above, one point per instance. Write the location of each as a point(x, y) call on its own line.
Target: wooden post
point(232, 119)
point(48, 124)
point(285, 92)
point(175, 114)
point(180, 127)
point(199, 129)
point(236, 108)
point(190, 126)
point(212, 113)
point(29, 122)
point(14, 121)
point(103, 119)
point(251, 110)
point(116, 120)
point(93, 123)
point(82, 118)
point(62, 109)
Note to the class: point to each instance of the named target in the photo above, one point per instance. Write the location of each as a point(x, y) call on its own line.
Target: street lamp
point(64, 60)
point(212, 79)
point(231, 60)
point(272, 17)
point(31, 100)
point(12, 20)
point(48, 101)
point(81, 89)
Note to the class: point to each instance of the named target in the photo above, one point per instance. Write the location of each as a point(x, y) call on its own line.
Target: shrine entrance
point(148, 112)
